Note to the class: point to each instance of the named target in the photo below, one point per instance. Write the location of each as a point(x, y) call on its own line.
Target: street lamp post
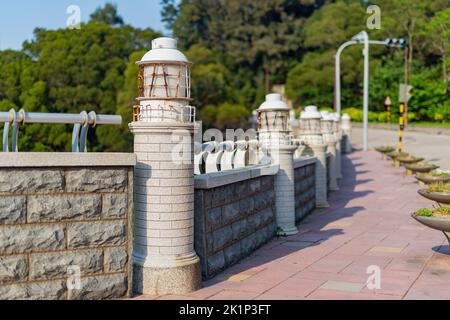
point(360, 37)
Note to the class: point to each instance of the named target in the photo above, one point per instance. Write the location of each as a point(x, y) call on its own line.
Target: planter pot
point(441, 197)
point(405, 160)
point(394, 156)
point(441, 224)
point(384, 151)
point(432, 179)
point(421, 169)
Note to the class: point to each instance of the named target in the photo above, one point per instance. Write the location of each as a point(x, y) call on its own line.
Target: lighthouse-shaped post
point(275, 135)
point(164, 260)
point(313, 145)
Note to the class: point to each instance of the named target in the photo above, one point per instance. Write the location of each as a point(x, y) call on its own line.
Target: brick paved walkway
point(367, 224)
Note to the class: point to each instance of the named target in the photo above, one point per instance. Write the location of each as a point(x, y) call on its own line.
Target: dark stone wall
point(232, 221)
point(305, 190)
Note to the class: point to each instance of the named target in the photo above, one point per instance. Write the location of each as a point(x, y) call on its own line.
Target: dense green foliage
point(236, 46)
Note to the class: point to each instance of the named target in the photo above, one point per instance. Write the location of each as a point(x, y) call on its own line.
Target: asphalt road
point(434, 148)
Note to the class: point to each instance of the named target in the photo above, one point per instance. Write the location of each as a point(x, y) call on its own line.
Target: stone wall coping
point(65, 159)
point(304, 161)
point(217, 179)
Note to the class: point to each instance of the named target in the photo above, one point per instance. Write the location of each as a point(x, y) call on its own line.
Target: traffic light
point(396, 43)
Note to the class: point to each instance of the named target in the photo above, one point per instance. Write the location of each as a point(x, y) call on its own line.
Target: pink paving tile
point(174, 297)
point(398, 286)
point(353, 248)
point(272, 276)
point(429, 293)
point(330, 276)
point(330, 265)
point(407, 263)
point(360, 266)
point(297, 287)
point(281, 296)
point(233, 295)
point(322, 294)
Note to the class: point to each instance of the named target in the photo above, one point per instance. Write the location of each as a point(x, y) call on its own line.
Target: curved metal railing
point(82, 122)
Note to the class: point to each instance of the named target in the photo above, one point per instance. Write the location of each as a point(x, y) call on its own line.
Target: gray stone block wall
point(53, 220)
point(305, 192)
point(232, 221)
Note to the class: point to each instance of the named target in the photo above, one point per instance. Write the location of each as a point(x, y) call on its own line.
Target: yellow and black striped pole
point(401, 123)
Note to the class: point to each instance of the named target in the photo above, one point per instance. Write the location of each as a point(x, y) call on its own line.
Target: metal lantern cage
point(164, 81)
point(274, 125)
point(274, 120)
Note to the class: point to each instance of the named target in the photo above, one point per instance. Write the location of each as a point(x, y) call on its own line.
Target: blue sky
point(18, 18)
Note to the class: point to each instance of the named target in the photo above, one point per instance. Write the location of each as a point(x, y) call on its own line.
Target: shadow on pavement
point(311, 228)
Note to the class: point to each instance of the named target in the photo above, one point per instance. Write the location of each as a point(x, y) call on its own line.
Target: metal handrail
point(81, 122)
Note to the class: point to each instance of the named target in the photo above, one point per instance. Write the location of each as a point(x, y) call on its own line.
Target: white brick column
point(320, 152)
point(164, 260)
point(347, 132)
point(332, 169)
point(285, 189)
point(330, 139)
point(338, 136)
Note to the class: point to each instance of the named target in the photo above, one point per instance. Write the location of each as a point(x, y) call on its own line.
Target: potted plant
point(384, 150)
point(395, 154)
point(419, 167)
point(408, 159)
point(432, 177)
point(436, 218)
point(438, 191)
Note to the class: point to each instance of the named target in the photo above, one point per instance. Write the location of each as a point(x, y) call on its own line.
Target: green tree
point(208, 77)
point(437, 34)
point(108, 14)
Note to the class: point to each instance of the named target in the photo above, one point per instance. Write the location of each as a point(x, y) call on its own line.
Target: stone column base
point(288, 232)
point(152, 280)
